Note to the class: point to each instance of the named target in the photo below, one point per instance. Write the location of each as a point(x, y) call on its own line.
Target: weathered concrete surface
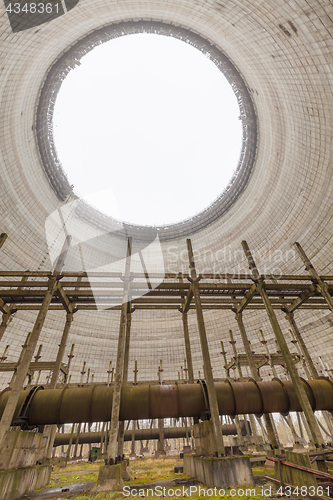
point(20, 449)
point(220, 472)
point(294, 476)
point(109, 479)
point(125, 471)
point(204, 438)
point(18, 482)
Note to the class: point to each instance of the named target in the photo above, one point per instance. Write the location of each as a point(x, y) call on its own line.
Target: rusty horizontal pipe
point(93, 404)
point(141, 434)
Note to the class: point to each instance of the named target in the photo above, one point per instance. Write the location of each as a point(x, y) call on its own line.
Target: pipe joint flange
point(313, 402)
point(206, 414)
point(233, 397)
point(283, 413)
point(90, 403)
point(22, 420)
point(258, 415)
point(60, 401)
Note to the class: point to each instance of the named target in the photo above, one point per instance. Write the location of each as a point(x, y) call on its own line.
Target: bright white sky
point(147, 129)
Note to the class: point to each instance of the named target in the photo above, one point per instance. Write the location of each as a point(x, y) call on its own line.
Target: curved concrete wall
point(283, 50)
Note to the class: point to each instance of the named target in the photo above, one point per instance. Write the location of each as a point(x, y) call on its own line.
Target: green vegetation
point(143, 471)
point(65, 479)
point(262, 470)
point(154, 469)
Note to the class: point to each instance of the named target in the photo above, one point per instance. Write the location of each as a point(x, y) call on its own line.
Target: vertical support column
point(240, 437)
point(214, 409)
point(83, 372)
point(224, 354)
point(112, 446)
point(288, 418)
point(77, 439)
point(109, 373)
point(135, 373)
point(61, 350)
point(125, 378)
point(269, 422)
point(187, 348)
point(133, 454)
point(70, 357)
point(68, 454)
point(160, 446)
point(299, 389)
point(102, 438)
point(50, 430)
point(241, 378)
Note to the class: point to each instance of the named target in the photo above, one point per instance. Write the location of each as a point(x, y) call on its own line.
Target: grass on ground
point(143, 471)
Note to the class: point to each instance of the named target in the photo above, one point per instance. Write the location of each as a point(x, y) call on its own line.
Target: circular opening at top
point(147, 129)
point(184, 176)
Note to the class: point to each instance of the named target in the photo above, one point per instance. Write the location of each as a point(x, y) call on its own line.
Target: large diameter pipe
point(141, 434)
point(93, 404)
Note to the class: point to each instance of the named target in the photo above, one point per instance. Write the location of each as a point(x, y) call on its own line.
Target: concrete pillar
point(188, 348)
point(205, 354)
point(288, 417)
point(81, 449)
point(299, 389)
point(241, 378)
point(77, 439)
point(125, 378)
point(125, 308)
point(68, 454)
point(240, 438)
point(113, 445)
point(61, 350)
point(133, 454)
point(160, 446)
point(307, 428)
point(102, 437)
point(151, 426)
point(50, 430)
point(269, 422)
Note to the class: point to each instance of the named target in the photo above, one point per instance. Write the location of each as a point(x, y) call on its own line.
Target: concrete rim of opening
point(56, 174)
